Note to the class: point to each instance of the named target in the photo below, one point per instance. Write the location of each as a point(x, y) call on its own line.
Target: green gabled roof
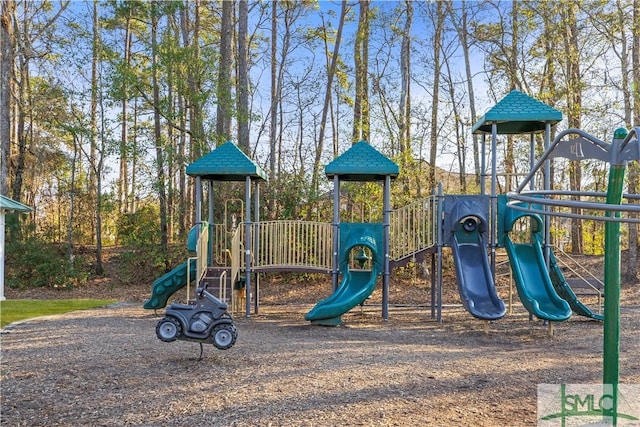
point(226, 163)
point(362, 162)
point(7, 204)
point(518, 113)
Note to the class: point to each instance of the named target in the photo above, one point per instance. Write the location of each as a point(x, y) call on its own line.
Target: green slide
point(356, 285)
point(566, 293)
point(168, 284)
point(532, 279)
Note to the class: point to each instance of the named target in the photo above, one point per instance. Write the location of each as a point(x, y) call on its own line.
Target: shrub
point(34, 263)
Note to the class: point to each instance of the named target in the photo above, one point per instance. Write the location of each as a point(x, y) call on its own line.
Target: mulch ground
point(105, 367)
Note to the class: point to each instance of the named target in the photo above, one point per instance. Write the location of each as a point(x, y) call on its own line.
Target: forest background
point(104, 103)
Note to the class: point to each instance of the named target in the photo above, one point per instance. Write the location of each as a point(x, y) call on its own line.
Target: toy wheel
point(224, 336)
point(168, 329)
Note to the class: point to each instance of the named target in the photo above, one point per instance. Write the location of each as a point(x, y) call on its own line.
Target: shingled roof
point(362, 162)
point(518, 113)
point(226, 163)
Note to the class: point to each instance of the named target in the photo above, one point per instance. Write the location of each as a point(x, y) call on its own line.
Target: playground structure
point(230, 255)
point(468, 224)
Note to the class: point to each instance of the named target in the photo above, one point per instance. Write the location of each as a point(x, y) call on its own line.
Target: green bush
point(140, 228)
point(34, 263)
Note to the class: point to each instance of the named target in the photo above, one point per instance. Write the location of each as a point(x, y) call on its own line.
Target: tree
point(224, 103)
point(96, 160)
point(361, 58)
point(273, 112)
point(461, 24)
point(631, 273)
point(574, 106)
point(437, 49)
point(243, 76)
point(327, 98)
point(28, 37)
point(405, 91)
point(7, 82)
point(157, 133)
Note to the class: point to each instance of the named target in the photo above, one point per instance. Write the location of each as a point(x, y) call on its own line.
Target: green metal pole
point(611, 342)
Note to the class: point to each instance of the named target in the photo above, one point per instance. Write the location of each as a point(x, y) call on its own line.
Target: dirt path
point(106, 367)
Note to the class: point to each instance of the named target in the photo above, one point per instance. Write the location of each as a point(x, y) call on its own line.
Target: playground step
point(585, 286)
point(222, 289)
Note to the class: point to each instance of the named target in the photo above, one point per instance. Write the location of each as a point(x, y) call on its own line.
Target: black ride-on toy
point(204, 321)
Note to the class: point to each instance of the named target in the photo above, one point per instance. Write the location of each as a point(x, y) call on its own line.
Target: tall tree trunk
point(7, 82)
point(243, 77)
point(361, 59)
point(134, 158)
point(514, 83)
point(95, 165)
point(24, 107)
point(574, 109)
point(404, 143)
point(194, 78)
point(72, 198)
point(157, 134)
point(274, 90)
point(463, 35)
point(224, 104)
point(273, 110)
point(437, 49)
point(327, 98)
point(123, 187)
point(631, 273)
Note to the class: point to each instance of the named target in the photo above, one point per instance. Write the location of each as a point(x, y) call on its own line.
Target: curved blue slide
point(532, 279)
point(475, 281)
point(355, 287)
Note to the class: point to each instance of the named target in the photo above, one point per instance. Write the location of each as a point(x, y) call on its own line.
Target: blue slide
point(532, 279)
point(356, 285)
point(475, 281)
point(168, 284)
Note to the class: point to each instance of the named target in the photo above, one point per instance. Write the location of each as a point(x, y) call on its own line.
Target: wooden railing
point(236, 255)
point(307, 245)
point(220, 244)
point(202, 245)
point(294, 244)
point(413, 228)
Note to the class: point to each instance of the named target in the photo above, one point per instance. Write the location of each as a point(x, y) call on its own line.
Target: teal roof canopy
point(362, 162)
point(7, 204)
point(226, 163)
point(517, 113)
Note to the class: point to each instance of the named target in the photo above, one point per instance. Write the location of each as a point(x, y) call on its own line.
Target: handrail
point(202, 245)
point(577, 273)
point(412, 228)
point(236, 254)
point(294, 244)
point(194, 258)
point(222, 288)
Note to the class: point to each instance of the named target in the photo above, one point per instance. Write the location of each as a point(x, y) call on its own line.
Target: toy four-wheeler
point(205, 321)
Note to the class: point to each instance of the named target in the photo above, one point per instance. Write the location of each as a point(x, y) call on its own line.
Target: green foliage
point(140, 228)
point(34, 262)
point(16, 310)
point(143, 264)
